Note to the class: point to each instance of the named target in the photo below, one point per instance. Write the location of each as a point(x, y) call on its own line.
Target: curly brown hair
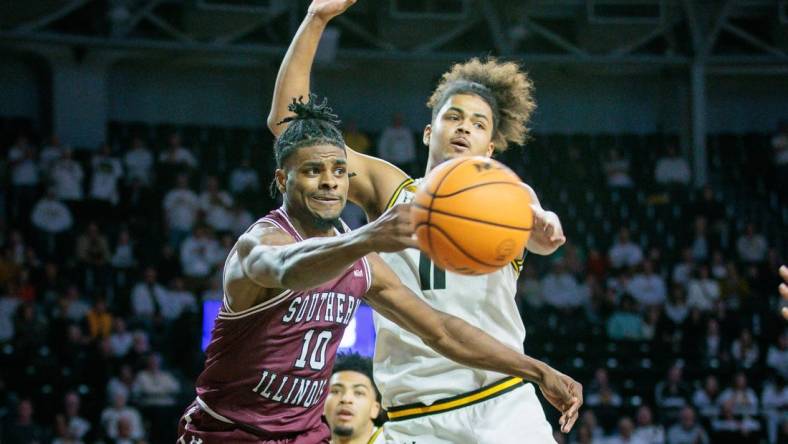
point(503, 85)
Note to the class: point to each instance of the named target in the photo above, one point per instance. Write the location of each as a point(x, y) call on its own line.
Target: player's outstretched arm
point(466, 344)
point(548, 234)
point(270, 258)
point(375, 180)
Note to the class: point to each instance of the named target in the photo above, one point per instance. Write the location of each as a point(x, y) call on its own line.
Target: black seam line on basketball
point(432, 199)
point(495, 224)
point(462, 250)
point(471, 187)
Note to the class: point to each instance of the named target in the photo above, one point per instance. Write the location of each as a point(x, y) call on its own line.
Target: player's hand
point(392, 231)
point(547, 234)
point(565, 394)
point(784, 289)
point(328, 9)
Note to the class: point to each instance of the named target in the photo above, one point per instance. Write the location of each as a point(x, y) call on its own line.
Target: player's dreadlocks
point(313, 124)
point(506, 88)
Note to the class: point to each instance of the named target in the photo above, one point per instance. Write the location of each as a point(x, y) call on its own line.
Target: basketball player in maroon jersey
point(291, 285)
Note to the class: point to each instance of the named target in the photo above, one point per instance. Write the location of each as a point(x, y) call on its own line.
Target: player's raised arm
point(374, 180)
point(466, 344)
point(293, 78)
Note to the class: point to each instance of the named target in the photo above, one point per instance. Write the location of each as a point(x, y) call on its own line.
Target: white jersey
point(406, 370)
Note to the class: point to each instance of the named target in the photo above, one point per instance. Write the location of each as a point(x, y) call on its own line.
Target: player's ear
point(426, 136)
point(490, 149)
point(281, 180)
point(374, 411)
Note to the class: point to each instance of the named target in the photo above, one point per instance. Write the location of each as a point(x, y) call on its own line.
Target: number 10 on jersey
point(317, 359)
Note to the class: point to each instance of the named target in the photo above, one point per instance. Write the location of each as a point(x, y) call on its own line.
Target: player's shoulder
point(270, 234)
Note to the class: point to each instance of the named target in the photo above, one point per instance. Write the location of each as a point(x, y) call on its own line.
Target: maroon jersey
point(268, 366)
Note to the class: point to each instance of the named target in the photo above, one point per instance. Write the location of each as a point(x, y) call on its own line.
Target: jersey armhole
point(395, 196)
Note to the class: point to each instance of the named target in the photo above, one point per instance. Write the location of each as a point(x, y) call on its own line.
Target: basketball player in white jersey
point(477, 108)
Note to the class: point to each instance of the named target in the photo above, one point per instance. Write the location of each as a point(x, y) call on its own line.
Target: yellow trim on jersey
point(518, 265)
point(405, 183)
point(476, 396)
point(375, 435)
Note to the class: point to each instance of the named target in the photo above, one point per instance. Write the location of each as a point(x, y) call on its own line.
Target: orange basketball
point(472, 215)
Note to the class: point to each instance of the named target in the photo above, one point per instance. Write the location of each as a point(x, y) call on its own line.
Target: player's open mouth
point(345, 414)
point(460, 145)
point(326, 199)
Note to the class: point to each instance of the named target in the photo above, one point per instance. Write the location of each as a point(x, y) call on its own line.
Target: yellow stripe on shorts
point(491, 391)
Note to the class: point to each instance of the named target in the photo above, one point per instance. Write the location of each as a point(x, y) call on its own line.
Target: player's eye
point(340, 171)
point(479, 125)
point(360, 393)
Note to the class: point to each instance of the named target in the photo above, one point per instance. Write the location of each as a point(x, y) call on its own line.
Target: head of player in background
point(353, 402)
point(479, 107)
point(311, 164)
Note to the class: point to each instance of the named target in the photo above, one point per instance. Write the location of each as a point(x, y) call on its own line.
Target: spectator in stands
point(617, 171)
point(25, 178)
point(702, 290)
point(180, 300)
point(676, 308)
point(596, 264)
point(112, 415)
point(147, 299)
point(121, 383)
point(73, 307)
point(120, 340)
point(646, 431)
point(672, 393)
point(588, 419)
point(199, 254)
point(700, 242)
point(52, 220)
point(175, 159)
point(774, 401)
point(780, 147)
point(626, 323)
point(123, 262)
point(744, 351)
point(214, 292)
point(734, 289)
point(180, 206)
point(244, 179)
point(624, 252)
point(139, 162)
point(672, 169)
point(687, 430)
point(51, 153)
point(751, 246)
point(647, 287)
point(713, 347)
point(94, 255)
point(743, 398)
point(397, 145)
point(706, 399)
point(107, 170)
point(777, 356)
point(356, 138)
point(22, 428)
point(216, 204)
point(99, 320)
point(69, 424)
point(682, 270)
point(156, 391)
point(730, 428)
point(600, 392)
point(560, 289)
point(66, 176)
point(625, 435)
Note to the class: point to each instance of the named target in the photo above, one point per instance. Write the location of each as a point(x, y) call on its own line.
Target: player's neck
point(304, 225)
